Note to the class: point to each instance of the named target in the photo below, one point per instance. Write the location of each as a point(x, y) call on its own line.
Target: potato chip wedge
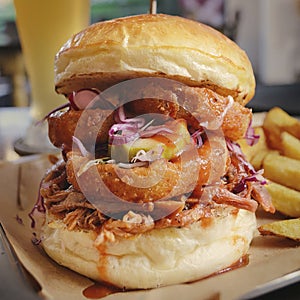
point(286, 228)
point(282, 170)
point(276, 122)
point(285, 200)
point(290, 145)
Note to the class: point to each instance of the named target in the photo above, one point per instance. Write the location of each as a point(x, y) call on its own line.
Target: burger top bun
point(106, 53)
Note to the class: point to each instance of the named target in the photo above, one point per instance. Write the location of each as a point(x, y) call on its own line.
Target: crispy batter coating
point(90, 126)
point(160, 180)
point(195, 105)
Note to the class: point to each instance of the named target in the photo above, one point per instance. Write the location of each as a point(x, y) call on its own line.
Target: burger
point(152, 188)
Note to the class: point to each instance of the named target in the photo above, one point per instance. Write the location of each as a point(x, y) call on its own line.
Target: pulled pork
point(68, 204)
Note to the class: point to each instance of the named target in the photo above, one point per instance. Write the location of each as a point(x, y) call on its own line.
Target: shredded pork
point(71, 206)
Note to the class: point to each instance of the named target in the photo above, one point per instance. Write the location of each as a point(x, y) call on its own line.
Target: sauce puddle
point(100, 290)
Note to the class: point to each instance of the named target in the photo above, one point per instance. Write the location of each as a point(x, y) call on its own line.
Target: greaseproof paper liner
point(269, 257)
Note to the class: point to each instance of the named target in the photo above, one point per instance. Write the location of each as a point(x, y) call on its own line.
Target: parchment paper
point(270, 257)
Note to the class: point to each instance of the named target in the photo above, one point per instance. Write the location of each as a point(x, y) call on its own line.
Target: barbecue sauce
point(242, 262)
point(99, 290)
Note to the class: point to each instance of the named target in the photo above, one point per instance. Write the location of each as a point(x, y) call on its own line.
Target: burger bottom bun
point(158, 257)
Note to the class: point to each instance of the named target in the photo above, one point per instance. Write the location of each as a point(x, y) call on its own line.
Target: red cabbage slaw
point(250, 136)
point(81, 99)
point(255, 176)
point(125, 131)
point(129, 129)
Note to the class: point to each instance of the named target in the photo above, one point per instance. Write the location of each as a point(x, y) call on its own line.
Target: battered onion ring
point(165, 179)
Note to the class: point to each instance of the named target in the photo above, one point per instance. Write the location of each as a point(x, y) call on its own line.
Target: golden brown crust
point(162, 180)
point(154, 45)
point(63, 125)
point(191, 104)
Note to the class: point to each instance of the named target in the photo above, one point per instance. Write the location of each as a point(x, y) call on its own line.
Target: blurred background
point(268, 30)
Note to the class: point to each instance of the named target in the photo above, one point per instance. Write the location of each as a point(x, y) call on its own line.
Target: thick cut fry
point(278, 153)
point(286, 228)
point(251, 151)
point(276, 122)
point(285, 200)
point(257, 160)
point(290, 145)
point(282, 170)
point(255, 154)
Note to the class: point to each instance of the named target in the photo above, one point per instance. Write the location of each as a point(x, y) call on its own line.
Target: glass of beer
point(43, 27)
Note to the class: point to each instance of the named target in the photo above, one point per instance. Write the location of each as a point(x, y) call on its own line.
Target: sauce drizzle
point(100, 290)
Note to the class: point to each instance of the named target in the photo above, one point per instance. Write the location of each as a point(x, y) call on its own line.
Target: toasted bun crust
point(158, 45)
point(158, 257)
